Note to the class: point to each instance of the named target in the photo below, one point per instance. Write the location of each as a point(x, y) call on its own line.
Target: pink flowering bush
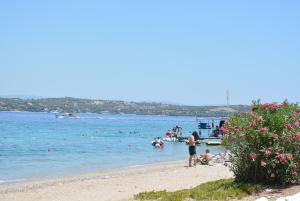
point(265, 144)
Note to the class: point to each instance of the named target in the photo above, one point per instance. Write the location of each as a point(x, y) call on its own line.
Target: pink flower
point(289, 126)
point(253, 124)
point(241, 128)
point(280, 149)
point(245, 119)
point(265, 105)
point(264, 130)
point(294, 173)
point(297, 138)
point(281, 156)
point(224, 130)
point(268, 153)
point(253, 156)
point(259, 118)
point(274, 106)
point(290, 157)
point(263, 163)
point(297, 124)
point(282, 159)
point(251, 114)
point(273, 175)
point(294, 166)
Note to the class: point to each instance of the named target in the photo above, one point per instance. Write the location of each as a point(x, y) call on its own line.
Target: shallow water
point(39, 145)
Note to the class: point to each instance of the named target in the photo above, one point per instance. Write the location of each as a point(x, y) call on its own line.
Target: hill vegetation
point(78, 105)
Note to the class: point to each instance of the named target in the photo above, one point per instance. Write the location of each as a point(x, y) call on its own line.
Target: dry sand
point(116, 184)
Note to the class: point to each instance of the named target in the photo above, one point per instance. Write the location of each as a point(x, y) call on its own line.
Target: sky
point(183, 52)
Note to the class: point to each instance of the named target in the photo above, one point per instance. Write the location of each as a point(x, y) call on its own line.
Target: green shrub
point(222, 190)
point(265, 143)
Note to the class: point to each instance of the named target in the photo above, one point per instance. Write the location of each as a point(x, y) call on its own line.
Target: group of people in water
point(175, 133)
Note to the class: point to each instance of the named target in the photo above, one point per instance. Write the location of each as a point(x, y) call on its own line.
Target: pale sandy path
point(115, 185)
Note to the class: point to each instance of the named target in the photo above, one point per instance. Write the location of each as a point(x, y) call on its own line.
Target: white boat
point(170, 139)
point(65, 115)
point(213, 143)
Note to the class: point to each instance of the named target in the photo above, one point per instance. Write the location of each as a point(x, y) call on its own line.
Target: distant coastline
point(78, 105)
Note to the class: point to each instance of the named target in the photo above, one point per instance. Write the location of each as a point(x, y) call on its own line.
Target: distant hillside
point(78, 105)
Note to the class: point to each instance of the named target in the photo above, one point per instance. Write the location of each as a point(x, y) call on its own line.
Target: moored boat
point(65, 115)
point(213, 143)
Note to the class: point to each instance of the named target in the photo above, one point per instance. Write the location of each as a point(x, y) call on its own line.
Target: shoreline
point(78, 175)
point(116, 184)
point(34, 179)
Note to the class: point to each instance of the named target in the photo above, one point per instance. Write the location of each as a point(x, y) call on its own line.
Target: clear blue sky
point(186, 52)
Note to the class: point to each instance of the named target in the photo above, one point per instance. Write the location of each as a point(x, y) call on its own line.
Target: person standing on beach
point(192, 147)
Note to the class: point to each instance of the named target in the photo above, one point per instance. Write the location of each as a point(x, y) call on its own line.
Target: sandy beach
point(119, 184)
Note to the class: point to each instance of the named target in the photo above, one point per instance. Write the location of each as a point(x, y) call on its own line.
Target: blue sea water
point(34, 145)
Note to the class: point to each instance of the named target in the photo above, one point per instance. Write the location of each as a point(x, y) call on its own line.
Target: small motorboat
point(170, 139)
point(213, 143)
point(65, 115)
point(197, 142)
point(182, 139)
point(211, 128)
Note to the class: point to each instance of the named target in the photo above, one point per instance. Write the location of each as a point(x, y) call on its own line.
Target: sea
point(39, 145)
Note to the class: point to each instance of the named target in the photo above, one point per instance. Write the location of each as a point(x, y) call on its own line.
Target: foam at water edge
point(11, 181)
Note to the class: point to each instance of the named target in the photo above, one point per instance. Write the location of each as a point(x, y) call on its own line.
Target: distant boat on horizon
point(65, 115)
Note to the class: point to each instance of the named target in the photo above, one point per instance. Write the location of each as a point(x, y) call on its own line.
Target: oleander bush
point(265, 143)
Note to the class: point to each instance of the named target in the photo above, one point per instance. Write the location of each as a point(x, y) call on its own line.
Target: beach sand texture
point(114, 185)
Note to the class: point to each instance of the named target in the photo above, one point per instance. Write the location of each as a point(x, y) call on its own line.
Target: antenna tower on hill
point(227, 97)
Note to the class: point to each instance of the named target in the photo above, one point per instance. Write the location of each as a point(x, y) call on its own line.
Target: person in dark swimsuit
point(192, 147)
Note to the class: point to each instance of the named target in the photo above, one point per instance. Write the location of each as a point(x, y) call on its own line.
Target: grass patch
point(224, 189)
